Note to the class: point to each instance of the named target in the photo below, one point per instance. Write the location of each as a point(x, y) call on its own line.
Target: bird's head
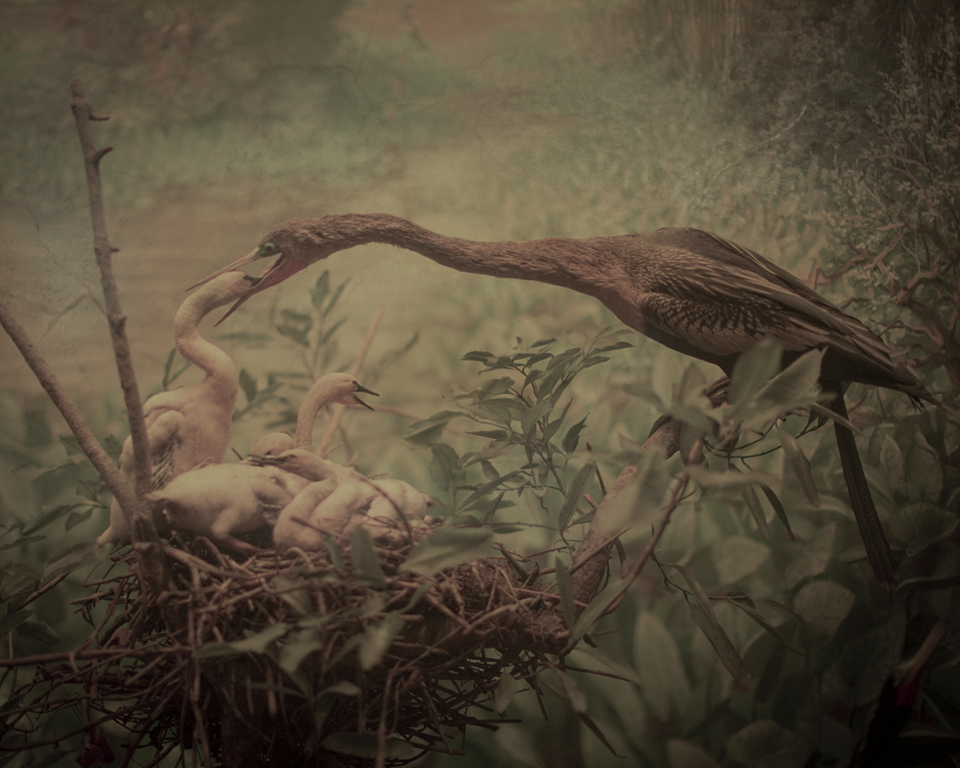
point(300, 462)
point(292, 245)
point(345, 388)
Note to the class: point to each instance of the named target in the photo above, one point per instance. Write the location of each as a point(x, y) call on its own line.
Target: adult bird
point(691, 290)
point(328, 389)
point(189, 426)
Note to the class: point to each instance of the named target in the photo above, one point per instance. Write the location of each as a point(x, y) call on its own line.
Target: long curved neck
point(589, 265)
point(316, 398)
point(212, 360)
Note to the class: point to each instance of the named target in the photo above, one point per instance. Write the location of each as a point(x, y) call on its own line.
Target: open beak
point(236, 265)
point(277, 272)
point(361, 388)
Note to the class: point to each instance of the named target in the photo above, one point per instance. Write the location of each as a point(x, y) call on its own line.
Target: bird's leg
point(871, 529)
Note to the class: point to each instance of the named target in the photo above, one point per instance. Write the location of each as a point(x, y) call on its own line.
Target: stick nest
point(302, 656)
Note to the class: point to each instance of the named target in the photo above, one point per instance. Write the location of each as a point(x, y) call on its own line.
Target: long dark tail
point(871, 530)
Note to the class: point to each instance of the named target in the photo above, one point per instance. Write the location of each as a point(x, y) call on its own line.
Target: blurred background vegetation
point(823, 135)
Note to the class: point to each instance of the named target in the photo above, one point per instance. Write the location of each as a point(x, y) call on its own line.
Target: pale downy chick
point(324, 505)
point(222, 500)
point(341, 505)
point(189, 426)
point(271, 444)
point(391, 499)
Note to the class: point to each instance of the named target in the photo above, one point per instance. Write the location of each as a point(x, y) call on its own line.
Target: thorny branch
point(83, 115)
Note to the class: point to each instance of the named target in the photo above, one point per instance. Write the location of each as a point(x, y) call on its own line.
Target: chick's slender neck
point(212, 360)
point(317, 398)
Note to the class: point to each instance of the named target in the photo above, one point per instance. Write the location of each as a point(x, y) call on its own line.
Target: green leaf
point(616, 345)
point(490, 451)
point(255, 643)
point(491, 434)
point(731, 478)
point(619, 668)
point(683, 754)
point(921, 525)
point(365, 559)
point(800, 464)
point(445, 468)
point(248, 384)
point(82, 554)
point(696, 589)
point(425, 433)
point(332, 329)
point(778, 508)
point(12, 620)
point(666, 687)
point(571, 693)
point(752, 501)
point(38, 632)
point(377, 639)
point(486, 488)
point(260, 641)
point(751, 372)
point(642, 497)
point(574, 495)
point(446, 547)
point(479, 357)
point(551, 429)
point(493, 387)
point(320, 290)
point(332, 302)
point(489, 471)
point(297, 647)
point(293, 591)
point(21, 542)
point(167, 367)
point(572, 439)
point(507, 688)
point(596, 609)
point(367, 745)
point(793, 387)
point(810, 558)
point(532, 415)
point(737, 557)
point(721, 643)
point(112, 446)
point(824, 605)
point(745, 605)
point(71, 445)
point(766, 744)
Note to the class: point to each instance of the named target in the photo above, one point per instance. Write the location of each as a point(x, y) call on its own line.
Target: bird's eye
point(266, 250)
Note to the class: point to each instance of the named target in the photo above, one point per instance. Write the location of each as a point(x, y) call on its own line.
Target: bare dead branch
point(83, 114)
point(112, 476)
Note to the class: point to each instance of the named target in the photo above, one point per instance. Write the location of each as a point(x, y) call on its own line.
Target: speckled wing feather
point(721, 298)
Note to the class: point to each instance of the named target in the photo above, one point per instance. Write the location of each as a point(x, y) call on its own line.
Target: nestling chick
point(221, 500)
